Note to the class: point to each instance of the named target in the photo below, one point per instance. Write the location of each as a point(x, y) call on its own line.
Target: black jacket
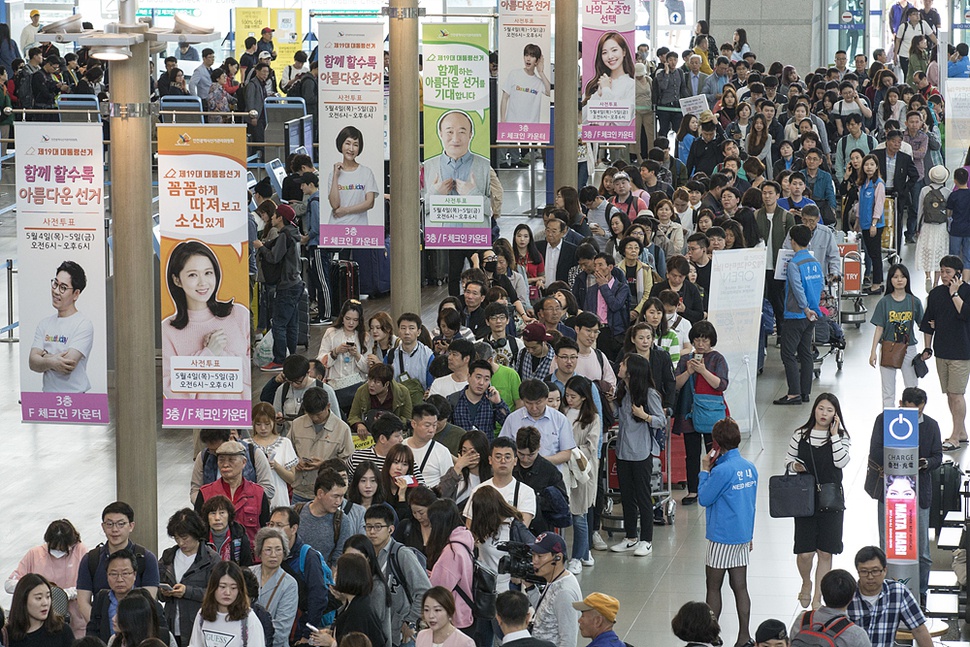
point(540, 476)
point(905, 177)
point(529, 642)
point(567, 258)
point(693, 302)
point(100, 623)
point(704, 156)
point(195, 580)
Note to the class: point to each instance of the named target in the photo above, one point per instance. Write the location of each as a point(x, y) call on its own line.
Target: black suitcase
point(947, 482)
point(344, 283)
point(303, 320)
point(435, 266)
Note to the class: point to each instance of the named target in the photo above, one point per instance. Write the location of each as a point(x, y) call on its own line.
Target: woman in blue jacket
point(728, 487)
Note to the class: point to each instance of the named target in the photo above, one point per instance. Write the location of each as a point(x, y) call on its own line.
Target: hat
point(267, 30)
point(536, 332)
point(622, 175)
point(938, 174)
point(231, 448)
point(264, 54)
point(770, 630)
point(548, 542)
point(286, 212)
point(639, 69)
point(34, 12)
point(605, 605)
point(644, 212)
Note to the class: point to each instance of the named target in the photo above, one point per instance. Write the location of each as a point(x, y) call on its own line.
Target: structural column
point(131, 209)
point(567, 82)
point(404, 146)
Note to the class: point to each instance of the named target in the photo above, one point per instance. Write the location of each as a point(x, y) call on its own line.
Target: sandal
point(950, 447)
point(805, 598)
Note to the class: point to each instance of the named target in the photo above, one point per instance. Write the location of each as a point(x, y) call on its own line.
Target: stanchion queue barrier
point(11, 324)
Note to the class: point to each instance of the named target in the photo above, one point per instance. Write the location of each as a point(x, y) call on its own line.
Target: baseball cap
point(536, 332)
point(34, 12)
point(605, 605)
point(231, 448)
point(267, 30)
point(770, 630)
point(264, 54)
point(286, 212)
point(548, 542)
point(622, 175)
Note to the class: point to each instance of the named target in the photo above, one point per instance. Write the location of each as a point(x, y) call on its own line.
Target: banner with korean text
point(206, 368)
point(456, 172)
point(61, 273)
point(287, 33)
point(351, 100)
point(737, 287)
point(609, 90)
point(524, 70)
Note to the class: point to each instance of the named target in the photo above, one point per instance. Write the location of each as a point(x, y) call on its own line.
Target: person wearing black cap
point(555, 619)
point(771, 633)
point(283, 255)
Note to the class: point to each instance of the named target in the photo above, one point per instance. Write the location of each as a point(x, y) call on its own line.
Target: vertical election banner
point(206, 370)
point(524, 70)
point(60, 234)
point(737, 288)
point(901, 467)
point(609, 90)
point(351, 100)
point(456, 136)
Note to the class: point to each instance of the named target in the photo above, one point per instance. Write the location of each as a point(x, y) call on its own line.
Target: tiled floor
point(51, 471)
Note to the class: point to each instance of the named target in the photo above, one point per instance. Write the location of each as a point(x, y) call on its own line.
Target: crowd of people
point(409, 482)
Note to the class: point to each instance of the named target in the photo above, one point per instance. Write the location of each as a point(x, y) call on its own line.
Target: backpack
point(394, 562)
point(22, 88)
point(328, 618)
point(338, 518)
point(934, 207)
point(284, 391)
point(241, 98)
point(813, 634)
point(94, 557)
point(482, 598)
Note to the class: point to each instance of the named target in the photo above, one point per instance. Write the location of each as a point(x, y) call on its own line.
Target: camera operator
point(555, 618)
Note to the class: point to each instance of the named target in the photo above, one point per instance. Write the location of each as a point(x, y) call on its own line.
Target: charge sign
point(901, 489)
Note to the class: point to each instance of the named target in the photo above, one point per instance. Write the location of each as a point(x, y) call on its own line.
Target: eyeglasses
point(374, 527)
point(117, 575)
point(114, 524)
point(60, 287)
point(870, 572)
point(503, 458)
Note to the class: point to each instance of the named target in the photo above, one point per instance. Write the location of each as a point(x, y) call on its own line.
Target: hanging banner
point(957, 117)
point(456, 136)
point(206, 369)
point(287, 38)
point(901, 466)
point(61, 269)
point(524, 70)
point(249, 22)
point(609, 90)
point(351, 100)
point(737, 288)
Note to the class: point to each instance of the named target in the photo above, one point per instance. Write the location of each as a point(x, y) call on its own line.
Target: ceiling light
point(110, 53)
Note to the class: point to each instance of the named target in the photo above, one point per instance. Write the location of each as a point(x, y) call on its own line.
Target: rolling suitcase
point(375, 277)
point(344, 282)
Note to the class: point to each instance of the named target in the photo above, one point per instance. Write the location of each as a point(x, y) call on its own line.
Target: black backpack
point(94, 557)
point(482, 598)
point(394, 562)
point(22, 88)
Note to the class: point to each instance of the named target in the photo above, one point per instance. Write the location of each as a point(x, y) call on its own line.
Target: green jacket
point(400, 403)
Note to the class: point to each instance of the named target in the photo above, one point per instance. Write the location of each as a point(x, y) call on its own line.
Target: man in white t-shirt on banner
point(516, 494)
point(524, 88)
point(63, 341)
point(432, 458)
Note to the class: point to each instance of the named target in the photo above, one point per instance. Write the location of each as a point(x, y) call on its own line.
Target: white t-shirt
point(489, 555)
point(908, 32)
point(445, 386)
point(227, 633)
point(56, 335)
point(525, 97)
point(283, 453)
point(354, 187)
point(527, 497)
point(439, 462)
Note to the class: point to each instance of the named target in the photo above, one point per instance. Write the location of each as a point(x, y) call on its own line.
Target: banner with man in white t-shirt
point(524, 70)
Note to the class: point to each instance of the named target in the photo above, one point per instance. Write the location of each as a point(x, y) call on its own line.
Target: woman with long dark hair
point(848, 189)
point(398, 465)
point(354, 591)
point(202, 325)
point(687, 132)
point(438, 611)
point(380, 597)
point(32, 621)
point(613, 71)
point(567, 197)
point(470, 469)
point(872, 200)
point(580, 409)
point(342, 351)
point(450, 558)
point(8, 49)
point(529, 260)
point(642, 422)
point(138, 621)
point(366, 487)
point(416, 529)
point(225, 610)
point(821, 448)
point(896, 317)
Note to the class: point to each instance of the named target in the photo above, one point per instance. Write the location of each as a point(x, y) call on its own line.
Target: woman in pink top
point(438, 609)
point(57, 559)
point(202, 326)
point(449, 551)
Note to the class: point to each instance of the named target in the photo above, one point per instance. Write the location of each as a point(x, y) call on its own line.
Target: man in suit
point(694, 80)
point(512, 613)
point(598, 615)
point(899, 178)
point(558, 253)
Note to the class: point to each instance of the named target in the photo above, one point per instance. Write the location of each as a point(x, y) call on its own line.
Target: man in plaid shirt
point(879, 604)
point(537, 362)
point(479, 405)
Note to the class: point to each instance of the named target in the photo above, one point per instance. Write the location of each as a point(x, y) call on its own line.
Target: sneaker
point(574, 567)
point(625, 546)
point(272, 367)
point(587, 562)
point(318, 322)
point(643, 549)
point(598, 543)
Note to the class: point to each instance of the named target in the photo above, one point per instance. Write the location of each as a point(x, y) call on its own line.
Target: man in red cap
point(537, 362)
point(280, 259)
point(265, 43)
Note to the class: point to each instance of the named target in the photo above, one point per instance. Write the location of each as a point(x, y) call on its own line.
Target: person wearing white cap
point(934, 240)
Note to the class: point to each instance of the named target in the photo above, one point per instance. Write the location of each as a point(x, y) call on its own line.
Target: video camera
point(518, 562)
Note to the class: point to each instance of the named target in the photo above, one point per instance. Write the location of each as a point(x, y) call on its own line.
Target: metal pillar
point(565, 162)
point(134, 301)
point(404, 145)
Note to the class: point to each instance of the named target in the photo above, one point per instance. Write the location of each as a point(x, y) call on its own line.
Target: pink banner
point(458, 237)
point(359, 236)
point(609, 89)
point(206, 413)
point(523, 132)
point(901, 518)
point(72, 408)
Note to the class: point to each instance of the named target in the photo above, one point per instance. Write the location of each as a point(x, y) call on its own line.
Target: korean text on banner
point(609, 89)
point(351, 100)
point(287, 38)
point(206, 369)
point(250, 21)
point(63, 311)
point(737, 288)
point(524, 70)
point(456, 172)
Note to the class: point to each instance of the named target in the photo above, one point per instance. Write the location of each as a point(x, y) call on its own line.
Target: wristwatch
point(928, 350)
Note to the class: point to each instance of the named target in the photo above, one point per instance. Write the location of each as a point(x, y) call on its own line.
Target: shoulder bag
point(791, 494)
point(828, 496)
point(893, 352)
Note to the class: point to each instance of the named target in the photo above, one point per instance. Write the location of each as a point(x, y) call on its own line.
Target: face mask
point(57, 554)
point(490, 266)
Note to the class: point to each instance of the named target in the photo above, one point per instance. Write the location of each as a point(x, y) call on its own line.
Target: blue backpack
point(328, 618)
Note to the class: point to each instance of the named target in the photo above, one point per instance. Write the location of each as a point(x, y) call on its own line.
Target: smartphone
point(713, 455)
point(311, 628)
point(699, 357)
point(166, 587)
point(410, 480)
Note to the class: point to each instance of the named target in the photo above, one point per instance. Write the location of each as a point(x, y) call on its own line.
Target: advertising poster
point(351, 100)
point(455, 172)
point(249, 22)
point(957, 107)
point(609, 90)
point(901, 467)
point(737, 286)
point(206, 368)
point(524, 70)
point(61, 265)
point(287, 34)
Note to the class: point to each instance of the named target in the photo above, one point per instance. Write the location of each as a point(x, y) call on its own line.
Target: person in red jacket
point(248, 498)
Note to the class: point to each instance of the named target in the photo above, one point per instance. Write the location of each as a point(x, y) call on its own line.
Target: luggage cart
point(853, 310)
point(823, 335)
point(889, 242)
point(661, 487)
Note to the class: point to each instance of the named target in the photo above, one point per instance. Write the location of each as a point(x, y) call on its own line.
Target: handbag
point(919, 366)
point(791, 494)
point(706, 409)
point(828, 496)
point(874, 479)
point(893, 353)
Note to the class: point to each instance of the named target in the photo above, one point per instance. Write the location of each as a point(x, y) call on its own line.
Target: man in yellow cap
point(28, 37)
point(597, 619)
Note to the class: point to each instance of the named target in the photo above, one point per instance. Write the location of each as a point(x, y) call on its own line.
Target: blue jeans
point(923, 535)
point(285, 309)
point(580, 536)
point(960, 246)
